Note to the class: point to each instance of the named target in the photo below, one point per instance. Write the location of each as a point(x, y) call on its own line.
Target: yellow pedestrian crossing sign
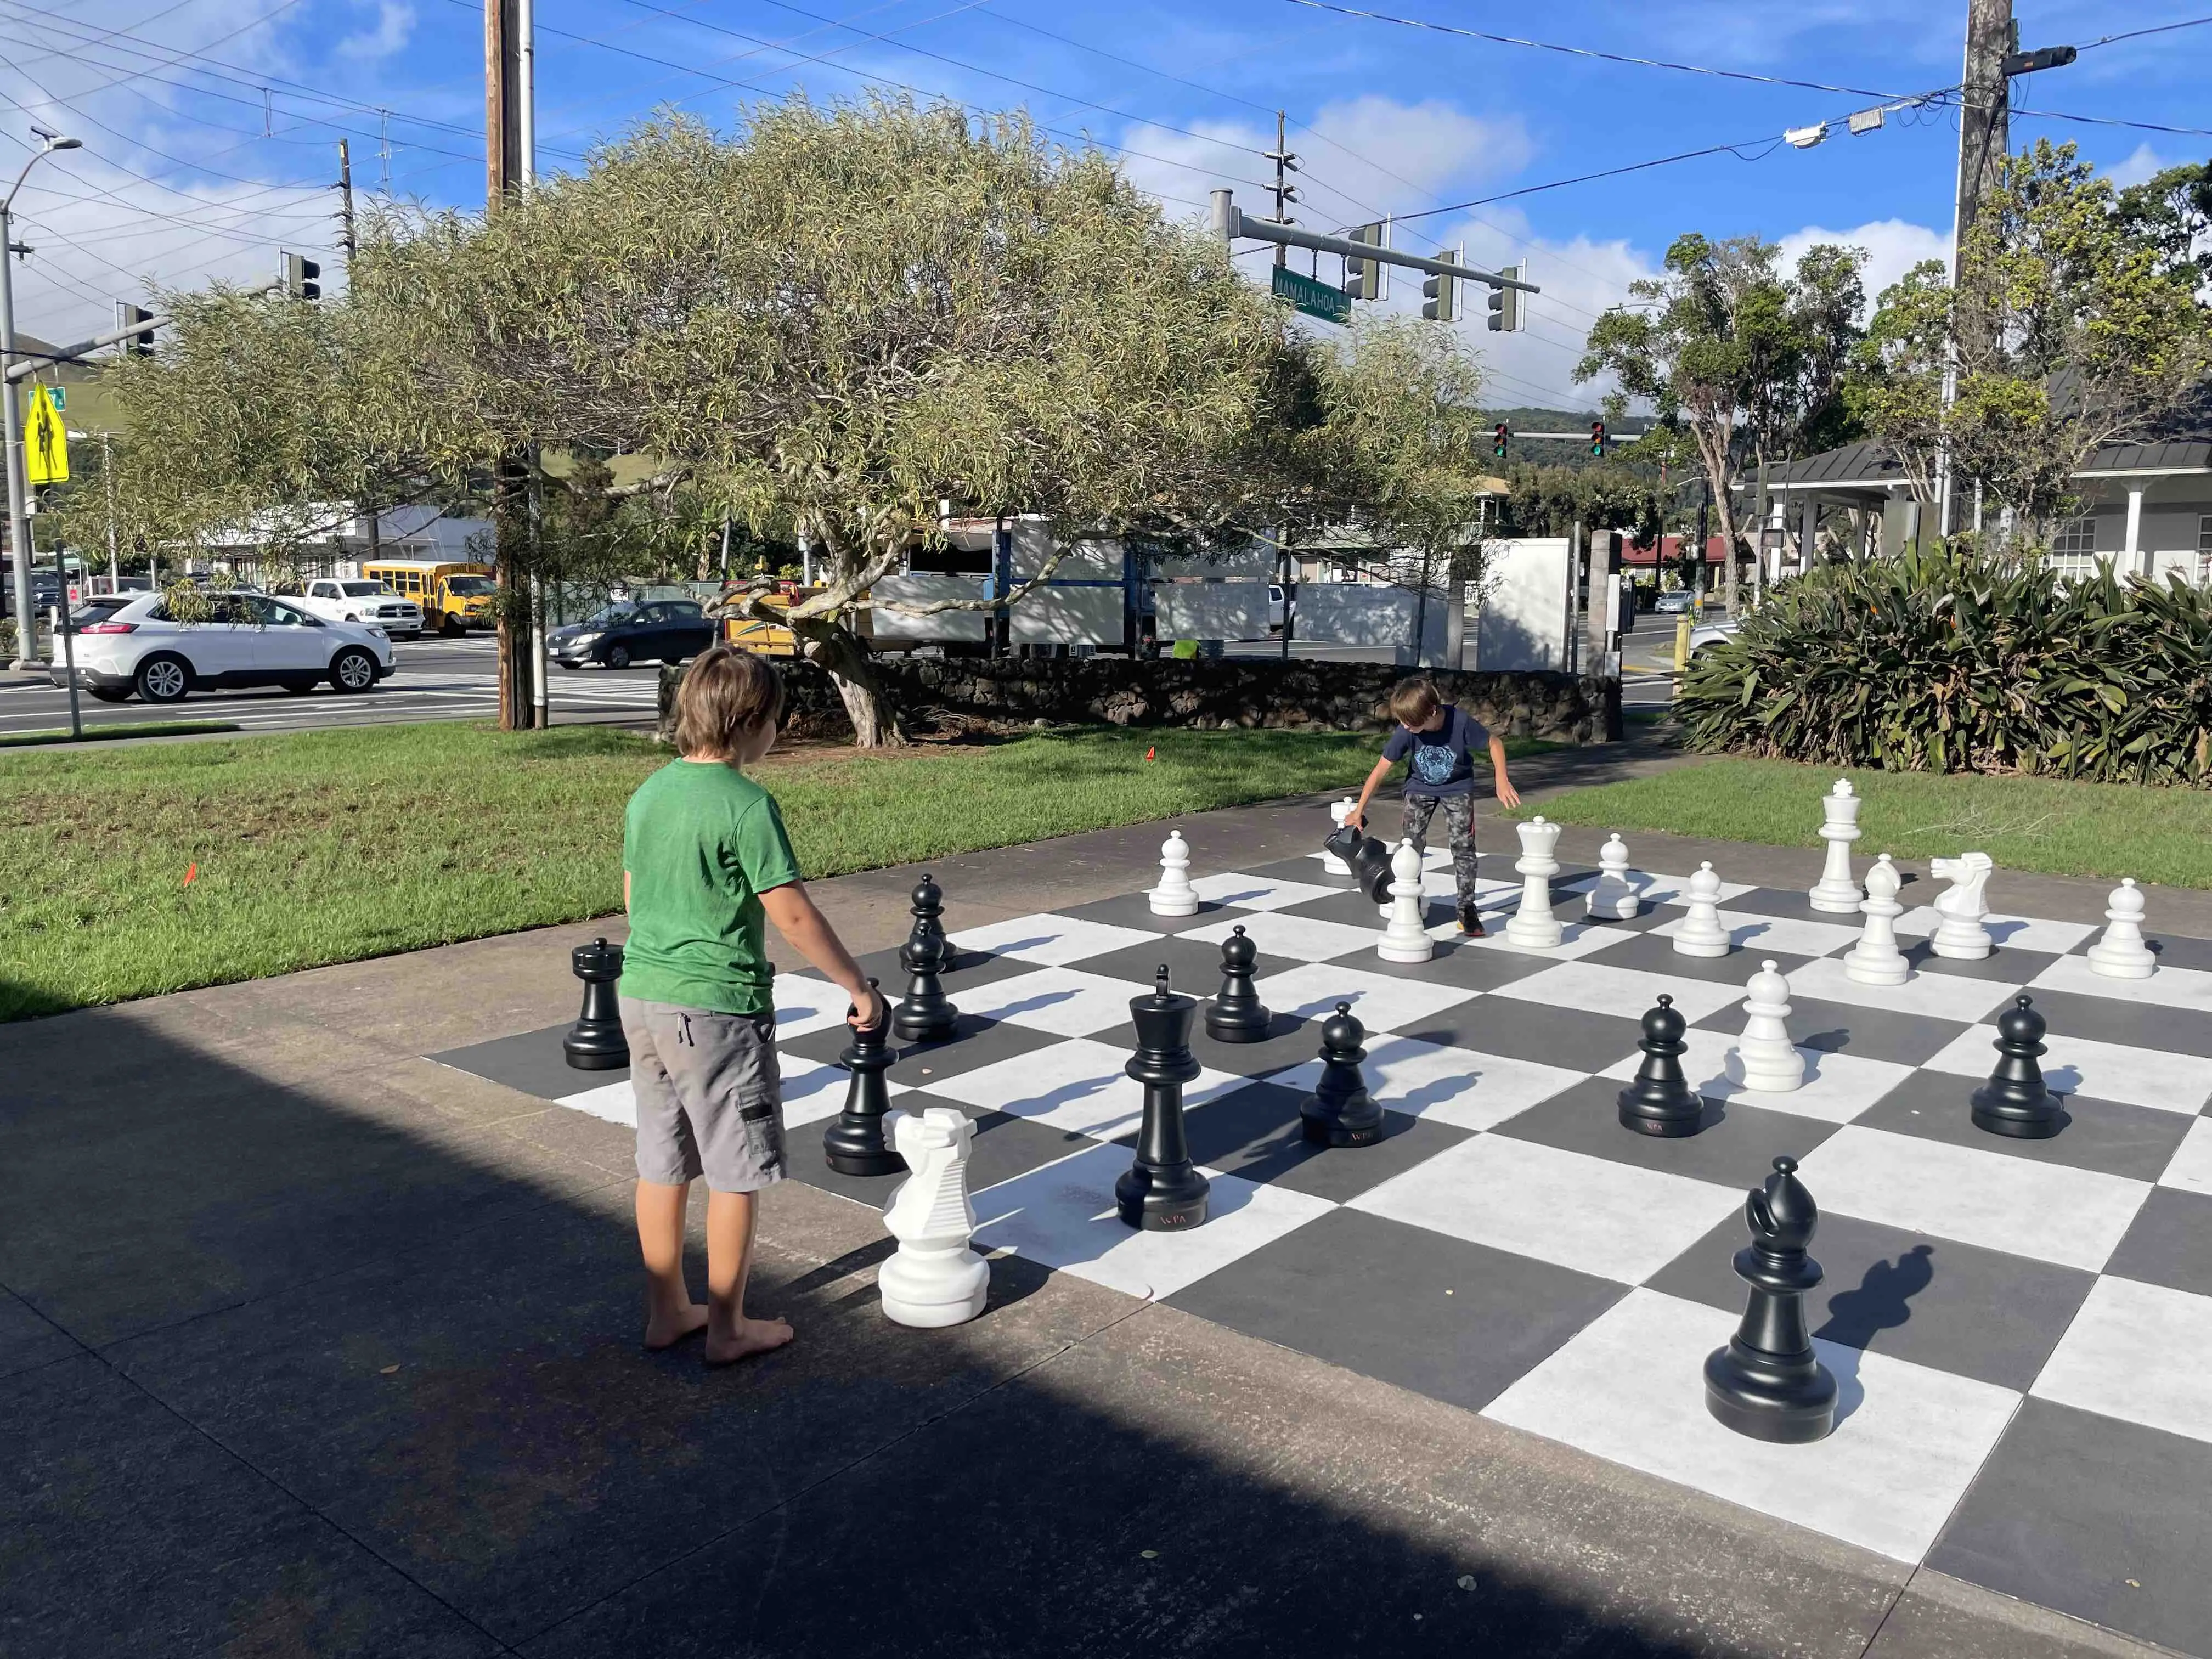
point(45, 440)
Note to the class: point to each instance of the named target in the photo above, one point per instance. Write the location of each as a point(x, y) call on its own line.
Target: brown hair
point(725, 694)
point(1414, 702)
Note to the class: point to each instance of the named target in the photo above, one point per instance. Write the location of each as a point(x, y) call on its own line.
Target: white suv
point(249, 639)
point(351, 599)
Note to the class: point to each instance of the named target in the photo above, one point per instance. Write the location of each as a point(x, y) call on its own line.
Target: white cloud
point(1893, 247)
point(395, 24)
point(2139, 167)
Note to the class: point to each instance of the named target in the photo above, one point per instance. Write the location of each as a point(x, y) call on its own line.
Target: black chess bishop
point(1660, 1101)
point(1162, 1190)
point(1767, 1382)
point(1237, 1014)
point(2015, 1101)
point(595, 1043)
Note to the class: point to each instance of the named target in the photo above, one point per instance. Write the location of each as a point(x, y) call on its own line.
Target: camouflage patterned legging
point(1458, 827)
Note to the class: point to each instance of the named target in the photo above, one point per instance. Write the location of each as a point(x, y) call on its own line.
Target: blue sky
point(210, 125)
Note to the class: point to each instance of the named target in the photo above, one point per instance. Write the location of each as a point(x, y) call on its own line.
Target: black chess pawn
point(1162, 1191)
point(595, 1043)
point(2015, 1101)
point(1660, 1101)
point(854, 1143)
point(1767, 1382)
point(924, 1015)
point(1340, 1112)
point(1237, 1014)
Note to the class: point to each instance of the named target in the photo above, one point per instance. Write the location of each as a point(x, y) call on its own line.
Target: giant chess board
point(2021, 1329)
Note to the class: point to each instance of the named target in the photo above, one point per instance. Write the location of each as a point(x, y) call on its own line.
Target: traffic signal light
point(1597, 439)
point(140, 345)
point(1437, 292)
point(1505, 305)
point(1500, 436)
point(1364, 279)
point(302, 277)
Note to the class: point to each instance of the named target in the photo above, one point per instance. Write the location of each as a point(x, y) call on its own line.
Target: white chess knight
point(1764, 1058)
point(1836, 891)
point(1338, 812)
point(933, 1278)
point(1406, 939)
point(1699, 934)
point(1175, 895)
point(2122, 954)
point(1534, 926)
point(1875, 959)
point(1960, 936)
point(1614, 897)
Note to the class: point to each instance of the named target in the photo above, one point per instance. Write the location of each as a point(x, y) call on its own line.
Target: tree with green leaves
point(1748, 359)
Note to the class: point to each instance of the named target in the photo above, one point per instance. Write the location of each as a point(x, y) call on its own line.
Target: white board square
point(1062, 1215)
point(2102, 1071)
point(1578, 938)
point(1049, 940)
point(1625, 991)
point(1078, 1086)
point(1617, 1221)
point(1908, 1443)
point(1306, 938)
point(2138, 1353)
point(1937, 996)
point(1754, 934)
point(1258, 892)
point(804, 1003)
point(2167, 987)
point(1383, 1003)
point(1065, 1000)
point(2051, 1211)
point(613, 1103)
point(1459, 1087)
point(2013, 933)
point(2191, 1166)
point(1675, 889)
point(1837, 1087)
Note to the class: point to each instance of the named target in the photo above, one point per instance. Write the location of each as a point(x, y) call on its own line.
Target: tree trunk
point(841, 655)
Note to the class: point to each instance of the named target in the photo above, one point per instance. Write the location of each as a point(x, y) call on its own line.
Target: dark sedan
point(656, 631)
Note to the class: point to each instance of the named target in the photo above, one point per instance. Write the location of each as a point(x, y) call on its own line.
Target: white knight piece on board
point(933, 1278)
point(1175, 895)
point(1963, 906)
point(1836, 891)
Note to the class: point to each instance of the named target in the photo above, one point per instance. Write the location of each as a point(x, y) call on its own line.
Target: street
point(435, 679)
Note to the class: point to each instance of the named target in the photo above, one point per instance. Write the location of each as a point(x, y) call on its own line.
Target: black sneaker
point(1470, 923)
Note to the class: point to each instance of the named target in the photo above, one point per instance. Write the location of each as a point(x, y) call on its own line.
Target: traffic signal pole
point(1232, 223)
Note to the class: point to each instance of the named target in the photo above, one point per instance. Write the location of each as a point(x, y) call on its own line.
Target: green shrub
point(1943, 660)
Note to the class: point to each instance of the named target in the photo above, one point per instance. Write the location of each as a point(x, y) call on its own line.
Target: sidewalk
point(309, 1345)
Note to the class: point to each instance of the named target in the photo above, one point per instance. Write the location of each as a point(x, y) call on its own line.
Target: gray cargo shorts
point(710, 1097)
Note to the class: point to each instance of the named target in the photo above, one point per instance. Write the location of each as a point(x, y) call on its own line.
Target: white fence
point(1378, 618)
point(891, 624)
point(1527, 606)
point(1211, 611)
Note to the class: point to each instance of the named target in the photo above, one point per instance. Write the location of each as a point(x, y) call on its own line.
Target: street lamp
point(19, 526)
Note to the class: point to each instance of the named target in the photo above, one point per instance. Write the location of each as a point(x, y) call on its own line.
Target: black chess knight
point(1367, 857)
point(1163, 1191)
point(1768, 1383)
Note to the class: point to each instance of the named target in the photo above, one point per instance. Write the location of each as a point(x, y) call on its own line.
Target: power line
point(1735, 150)
point(2136, 34)
point(2114, 121)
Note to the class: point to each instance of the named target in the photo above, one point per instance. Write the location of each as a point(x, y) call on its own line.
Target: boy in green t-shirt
point(705, 860)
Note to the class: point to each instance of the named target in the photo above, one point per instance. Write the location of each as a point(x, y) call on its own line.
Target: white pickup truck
point(351, 599)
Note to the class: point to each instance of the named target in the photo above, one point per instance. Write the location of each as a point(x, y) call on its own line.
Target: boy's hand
point(1508, 796)
point(868, 1010)
point(1356, 821)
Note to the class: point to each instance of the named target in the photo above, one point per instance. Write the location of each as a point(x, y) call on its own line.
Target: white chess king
point(1534, 926)
point(933, 1278)
point(1836, 891)
point(1175, 895)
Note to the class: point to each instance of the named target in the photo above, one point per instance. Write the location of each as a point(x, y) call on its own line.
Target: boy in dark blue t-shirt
point(1438, 739)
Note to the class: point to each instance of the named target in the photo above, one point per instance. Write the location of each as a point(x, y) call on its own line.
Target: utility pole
point(19, 523)
point(1285, 191)
point(1984, 141)
point(503, 171)
point(345, 205)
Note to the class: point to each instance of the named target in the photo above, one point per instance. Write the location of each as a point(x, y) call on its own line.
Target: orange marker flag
point(1149, 752)
point(191, 870)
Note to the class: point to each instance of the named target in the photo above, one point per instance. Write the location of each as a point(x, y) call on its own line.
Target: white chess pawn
point(1836, 891)
point(1534, 927)
point(1338, 812)
point(2122, 954)
point(933, 1278)
point(1699, 934)
point(1960, 936)
point(1875, 959)
point(1406, 936)
point(1175, 895)
point(1613, 898)
point(1764, 1058)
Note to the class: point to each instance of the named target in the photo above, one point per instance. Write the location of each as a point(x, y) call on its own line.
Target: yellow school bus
point(765, 639)
point(454, 597)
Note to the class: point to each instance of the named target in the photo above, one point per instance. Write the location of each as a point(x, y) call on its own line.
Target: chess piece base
point(1787, 1400)
point(858, 1149)
point(1239, 1026)
point(1837, 900)
point(2120, 965)
point(1620, 907)
point(596, 1049)
point(1667, 1120)
point(1407, 951)
point(929, 1290)
point(1183, 905)
point(1356, 1122)
point(1165, 1199)
point(1960, 950)
point(1766, 1076)
point(1892, 972)
point(1697, 948)
point(1537, 936)
point(925, 1023)
point(2016, 1121)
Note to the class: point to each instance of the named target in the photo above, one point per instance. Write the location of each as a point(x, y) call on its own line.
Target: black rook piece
point(1340, 1112)
point(924, 1015)
point(2015, 1101)
point(1368, 858)
point(853, 1144)
point(1162, 1191)
point(595, 1043)
point(1237, 1014)
point(1661, 1101)
point(1767, 1382)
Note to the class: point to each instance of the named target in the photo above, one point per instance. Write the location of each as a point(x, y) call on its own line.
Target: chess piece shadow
point(1882, 1300)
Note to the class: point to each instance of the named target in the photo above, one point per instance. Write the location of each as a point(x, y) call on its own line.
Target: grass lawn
point(2046, 824)
point(327, 846)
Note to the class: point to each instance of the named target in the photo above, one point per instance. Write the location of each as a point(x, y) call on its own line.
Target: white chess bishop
point(1836, 891)
point(1614, 897)
point(1875, 959)
point(1175, 895)
point(1764, 1058)
point(2121, 953)
point(1699, 934)
point(1405, 937)
point(1534, 926)
point(1338, 812)
point(933, 1278)
point(1961, 936)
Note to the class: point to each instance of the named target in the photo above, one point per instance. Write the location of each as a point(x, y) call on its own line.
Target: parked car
point(354, 600)
point(1680, 602)
point(248, 639)
point(663, 631)
point(1712, 633)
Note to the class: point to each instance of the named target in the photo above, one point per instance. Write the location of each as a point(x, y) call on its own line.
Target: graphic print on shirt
point(1434, 763)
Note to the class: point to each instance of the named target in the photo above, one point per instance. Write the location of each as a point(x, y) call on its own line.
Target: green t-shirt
point(701, 843)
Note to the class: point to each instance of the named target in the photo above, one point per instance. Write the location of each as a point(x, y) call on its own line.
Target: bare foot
point(666, 1333)
point(753, 1336)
